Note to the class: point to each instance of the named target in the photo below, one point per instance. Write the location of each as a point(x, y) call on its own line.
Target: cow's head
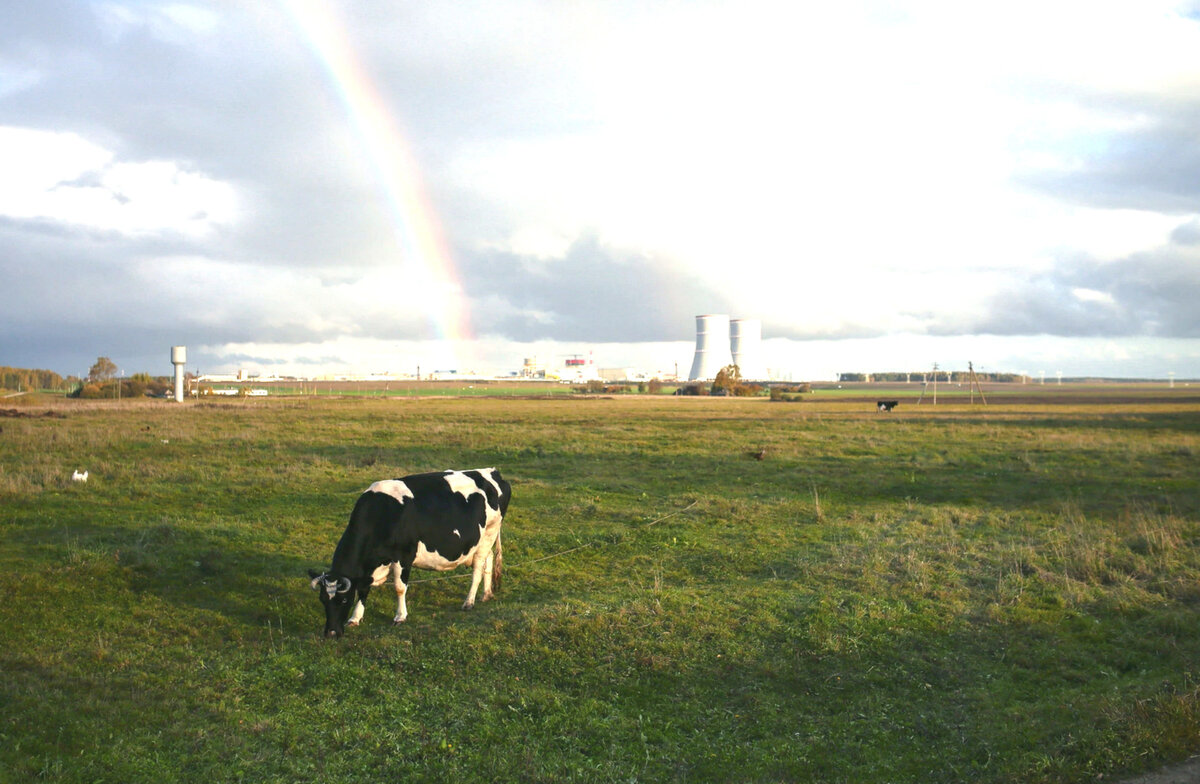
point(337, 594)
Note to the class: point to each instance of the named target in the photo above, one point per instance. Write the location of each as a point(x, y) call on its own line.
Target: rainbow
point(418, 231)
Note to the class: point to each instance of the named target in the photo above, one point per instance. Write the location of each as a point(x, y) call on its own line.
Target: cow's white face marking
point(393, 487)
point(331, 586)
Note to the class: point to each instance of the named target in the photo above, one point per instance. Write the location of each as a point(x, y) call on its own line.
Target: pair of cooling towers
point(721, 342)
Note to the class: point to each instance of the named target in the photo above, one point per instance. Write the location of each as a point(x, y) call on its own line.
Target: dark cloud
point(593, 293)
point(243, 103)
point(84, 294)
point(1187, 233)
point(1151, 164)
point(1151, 294)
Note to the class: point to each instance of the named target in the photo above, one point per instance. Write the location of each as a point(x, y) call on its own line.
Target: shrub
point(693, 390)
point(789, 394)
point(134, 387)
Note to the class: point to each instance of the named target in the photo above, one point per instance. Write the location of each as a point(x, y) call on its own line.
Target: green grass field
point(942, 594)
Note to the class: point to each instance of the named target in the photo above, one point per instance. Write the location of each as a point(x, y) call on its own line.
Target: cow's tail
point(497, 564)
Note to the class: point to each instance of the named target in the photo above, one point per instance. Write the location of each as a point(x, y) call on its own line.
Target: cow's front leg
point(360, 606)
point(399, 578)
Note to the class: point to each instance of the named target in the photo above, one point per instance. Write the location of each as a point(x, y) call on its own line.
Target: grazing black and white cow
point(887, 405)
point(438, 520)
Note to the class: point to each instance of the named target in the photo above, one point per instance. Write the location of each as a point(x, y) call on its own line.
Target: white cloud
point(175, 23)
point(763, 127)
point(1091, 295)
point(65, 179)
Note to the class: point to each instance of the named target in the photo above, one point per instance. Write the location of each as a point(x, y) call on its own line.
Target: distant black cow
point(438, 521)
point(887, 405)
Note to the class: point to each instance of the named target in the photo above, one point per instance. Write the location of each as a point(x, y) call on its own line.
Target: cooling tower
point(712, 347)
point(745, 339)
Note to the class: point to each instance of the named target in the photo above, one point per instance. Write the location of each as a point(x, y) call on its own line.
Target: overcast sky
point(370, 185)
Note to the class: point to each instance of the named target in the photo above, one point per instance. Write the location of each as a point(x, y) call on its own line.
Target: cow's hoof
point(351, 624)
point(398, 621)
point(468, 605)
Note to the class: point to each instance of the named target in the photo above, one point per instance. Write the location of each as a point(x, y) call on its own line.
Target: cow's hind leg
point(401, 590)
point(487, 577)
point(479, 565)
point(498, 572)
point(491, 570)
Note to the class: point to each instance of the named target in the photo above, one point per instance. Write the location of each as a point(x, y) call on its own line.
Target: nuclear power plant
point(721, 342)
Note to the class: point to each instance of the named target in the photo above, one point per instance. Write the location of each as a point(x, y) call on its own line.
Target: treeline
point(597, 387)
point(137, 385)
point(920, 375)
point(96, 385)
point(24, 380)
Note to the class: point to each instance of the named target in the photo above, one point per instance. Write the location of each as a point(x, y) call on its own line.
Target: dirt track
point(1186, 772)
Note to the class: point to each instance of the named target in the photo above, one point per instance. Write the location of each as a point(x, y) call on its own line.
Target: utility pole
point(975, 385)
point(925, 386)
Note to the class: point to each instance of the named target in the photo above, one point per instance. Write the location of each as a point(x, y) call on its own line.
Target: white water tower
point(178, 359)
point(745, 340)
point(712, 347)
